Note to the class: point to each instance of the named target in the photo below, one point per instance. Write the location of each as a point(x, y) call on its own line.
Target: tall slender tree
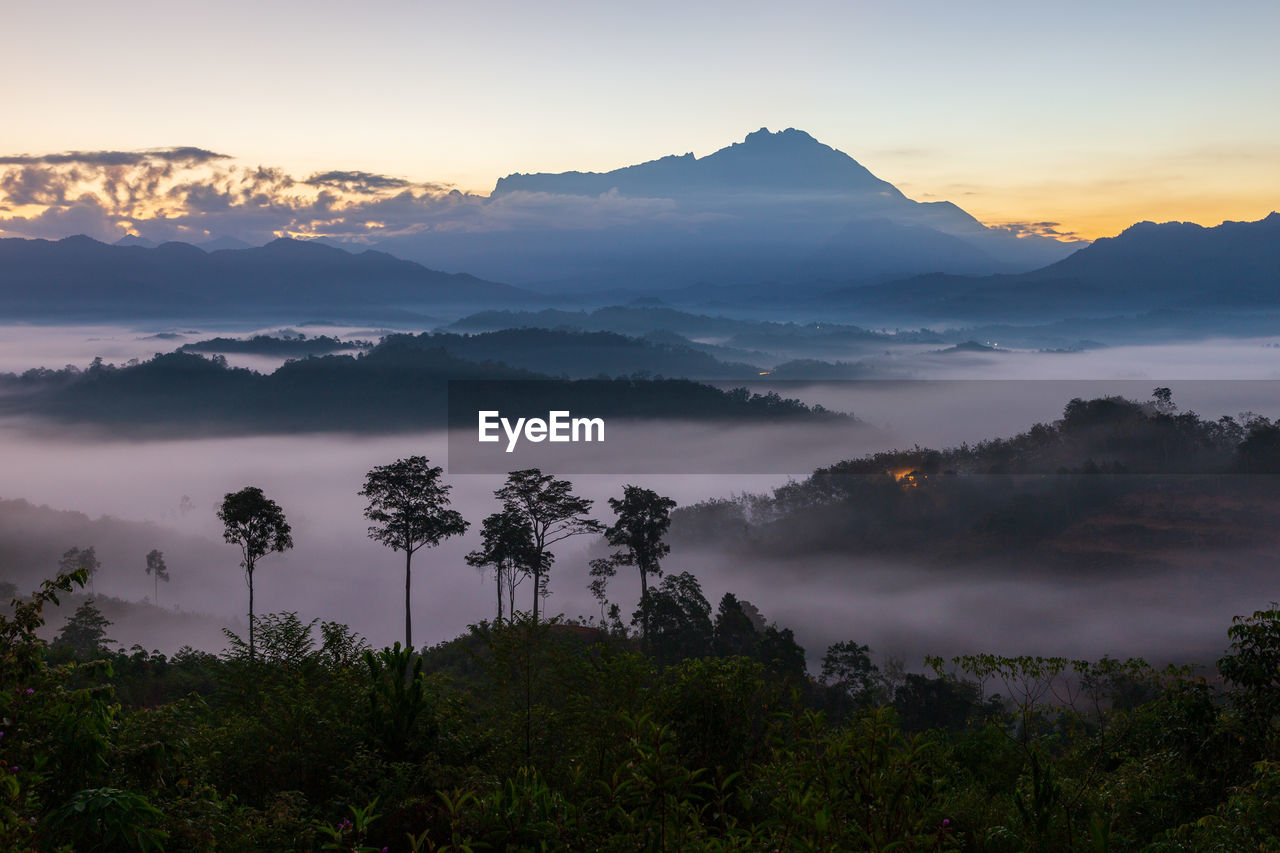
point(409, 507)
point(158, 571)
point(643, 517)
point(257, 524)
point(553, 513)
point(508, 548)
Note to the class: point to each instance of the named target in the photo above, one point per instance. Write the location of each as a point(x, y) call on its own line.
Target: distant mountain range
point(779, 226)
point(1172, 267)
point(776, 207)
point(214, 245)
point(78, 278)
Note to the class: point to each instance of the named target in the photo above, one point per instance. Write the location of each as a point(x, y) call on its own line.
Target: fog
point(335, 572)
point(1224, 358)
point(27, 346)
point(947, 412)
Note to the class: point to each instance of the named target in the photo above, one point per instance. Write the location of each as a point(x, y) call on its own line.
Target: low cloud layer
point(1053, 230)
point(192, 194)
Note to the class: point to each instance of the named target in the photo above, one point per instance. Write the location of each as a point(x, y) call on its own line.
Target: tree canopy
point(409, 508)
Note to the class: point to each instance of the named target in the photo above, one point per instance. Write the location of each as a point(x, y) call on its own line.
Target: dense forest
point(286, 344)
point(676, 725)
point(1113, 480)
point(705, 735)
point(185, 393)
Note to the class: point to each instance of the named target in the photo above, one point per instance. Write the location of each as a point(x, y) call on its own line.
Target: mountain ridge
point(78, 276)
point(1149, 266)
point(777, 206)
point(798, 161)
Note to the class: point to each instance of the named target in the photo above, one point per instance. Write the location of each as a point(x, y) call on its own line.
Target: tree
point(681, 618)
point(643, 519)
point(1253, 667)
point(509, 549)
point(78, 559)
point(409, 507)
point(779, 651)
point(735, 634)
point(257, 524)
point(86, 631)
point(847, 667)
point(158, 570)
point(553, 513)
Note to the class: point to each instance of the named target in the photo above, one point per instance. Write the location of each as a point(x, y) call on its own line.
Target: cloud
point(184, 156)
point(368, 182)
point(1052, 230)
point(84, 216)
point(194, 194)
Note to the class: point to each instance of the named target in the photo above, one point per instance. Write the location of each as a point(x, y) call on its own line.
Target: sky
point(1090, 115)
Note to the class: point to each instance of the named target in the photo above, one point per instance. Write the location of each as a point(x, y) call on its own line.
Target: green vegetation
point(554, 735)
point(690, 728)
point(1114, 481)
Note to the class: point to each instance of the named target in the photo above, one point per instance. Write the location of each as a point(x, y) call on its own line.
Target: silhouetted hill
point(1114, 481)
point(288, 346)
point(1175, 265)
point(77, 279)
point(402, 384)
point(761, 342)
point(583, 354)
point(34, 537)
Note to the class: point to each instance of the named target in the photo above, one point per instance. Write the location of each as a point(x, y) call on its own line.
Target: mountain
point(788, 161)
point(1169, 267)
point(777, 209)
point(135, 240)
point(78, 278)
point(224, 242)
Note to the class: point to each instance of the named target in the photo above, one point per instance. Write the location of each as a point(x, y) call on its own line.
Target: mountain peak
point(790, 136)
point(784, 161)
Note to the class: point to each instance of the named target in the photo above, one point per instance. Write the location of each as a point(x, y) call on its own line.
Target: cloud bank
point(191, 194)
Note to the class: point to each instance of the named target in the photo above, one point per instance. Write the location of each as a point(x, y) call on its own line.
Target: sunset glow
point(1092, 118)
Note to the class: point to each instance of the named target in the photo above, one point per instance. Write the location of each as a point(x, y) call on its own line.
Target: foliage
point(553, 513)
point(257, 524)
point(551, 735)
point(679, 620)
point(85, 632)
point(643, 517)
point(1253, 667)
point(509, 548)
point(409, 508)
point(1117, 467)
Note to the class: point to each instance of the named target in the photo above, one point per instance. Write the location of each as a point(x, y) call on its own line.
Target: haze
point(336, 573)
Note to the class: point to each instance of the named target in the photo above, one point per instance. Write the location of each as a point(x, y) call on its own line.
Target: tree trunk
point(528, 690)
point(537, 589)
point(644, 609)
point(252, 648)
point(497, 577)
point(408, 619)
